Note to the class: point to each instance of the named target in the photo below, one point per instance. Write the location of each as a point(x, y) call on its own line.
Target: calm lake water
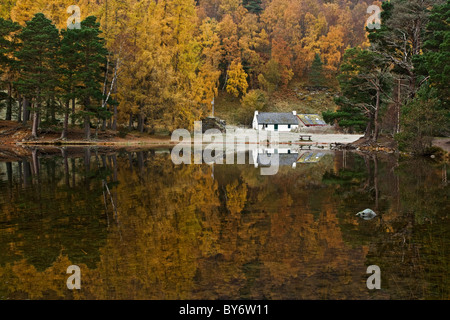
point(140, 227)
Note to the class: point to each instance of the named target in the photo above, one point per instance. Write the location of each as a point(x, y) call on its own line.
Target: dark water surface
point(225, 232)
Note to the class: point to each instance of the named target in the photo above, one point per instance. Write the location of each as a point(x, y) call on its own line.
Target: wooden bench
point(305, 137)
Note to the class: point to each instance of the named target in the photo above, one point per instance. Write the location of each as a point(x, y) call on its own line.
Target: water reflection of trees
point(180, 232)
point(409, 238)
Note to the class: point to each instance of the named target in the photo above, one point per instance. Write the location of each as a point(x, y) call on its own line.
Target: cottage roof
point(277, 118)
point(312, 119)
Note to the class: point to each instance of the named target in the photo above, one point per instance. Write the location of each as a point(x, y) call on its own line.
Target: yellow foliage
point(237, 79)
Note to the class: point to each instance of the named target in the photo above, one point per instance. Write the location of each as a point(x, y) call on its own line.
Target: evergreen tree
point(316, 76)
point(365, 82)
point(69, 61)
point(401, 36)
point(434, 64)
point(7, 47)
point(253, 6)
point(89, 76)
point(421, 121)
point(38, 63)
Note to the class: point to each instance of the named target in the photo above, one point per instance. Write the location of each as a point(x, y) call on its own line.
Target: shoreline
point(16, 137)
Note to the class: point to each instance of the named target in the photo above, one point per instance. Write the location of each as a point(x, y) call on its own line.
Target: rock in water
point(367, 214)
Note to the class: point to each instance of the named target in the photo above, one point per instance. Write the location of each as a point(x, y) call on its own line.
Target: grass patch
point(296, 97)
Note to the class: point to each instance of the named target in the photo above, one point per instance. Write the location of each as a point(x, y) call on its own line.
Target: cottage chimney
point(256, 113)
point(294, 113)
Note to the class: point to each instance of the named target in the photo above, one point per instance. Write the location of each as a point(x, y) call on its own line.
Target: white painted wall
point(281, 127)
point(255, 121)
point(271, 127)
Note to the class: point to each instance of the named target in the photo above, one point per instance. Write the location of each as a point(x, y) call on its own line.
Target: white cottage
point(271, 121)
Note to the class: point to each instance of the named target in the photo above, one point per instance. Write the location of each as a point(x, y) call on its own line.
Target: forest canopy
point(167, 60)
point(145, 64)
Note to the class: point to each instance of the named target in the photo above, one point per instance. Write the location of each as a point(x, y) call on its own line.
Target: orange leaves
point(281, 53)
point(332, 48)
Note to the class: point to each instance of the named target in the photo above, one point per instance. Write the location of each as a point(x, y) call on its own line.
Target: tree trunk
point(399, 105)
point(19, 112)
point(368, 133)
point(53, 111)
point(9, 106)
point(130, 122)
point(103, 125)
point(87, 127)
point(140, 123)
point(73, 112)
point(114, 120)
point(25, 110)
point(35, 125)
point(377, 111)
point(66, 121)
point(39, 118)
point(47, 111)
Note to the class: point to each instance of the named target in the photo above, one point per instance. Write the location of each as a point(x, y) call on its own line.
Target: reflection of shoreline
point(17, 153)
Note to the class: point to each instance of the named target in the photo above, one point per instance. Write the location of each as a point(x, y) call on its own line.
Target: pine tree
point(365, 82)
point(316, 76)
point(401, 36)
point(253, 6)
point(38, 63)
point(92, 60)
point(69, 62)
point(435, 61)
point(7, 47)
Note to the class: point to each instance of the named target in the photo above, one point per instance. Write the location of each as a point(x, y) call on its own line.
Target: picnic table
point(305, 137)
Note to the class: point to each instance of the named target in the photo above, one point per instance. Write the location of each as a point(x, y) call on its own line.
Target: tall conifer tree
point(7, 48)
point(38, 63)
point(91, 64)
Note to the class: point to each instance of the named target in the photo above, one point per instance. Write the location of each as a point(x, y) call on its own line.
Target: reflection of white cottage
point(272, 121)
point(286, 156)
point(262, 156)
